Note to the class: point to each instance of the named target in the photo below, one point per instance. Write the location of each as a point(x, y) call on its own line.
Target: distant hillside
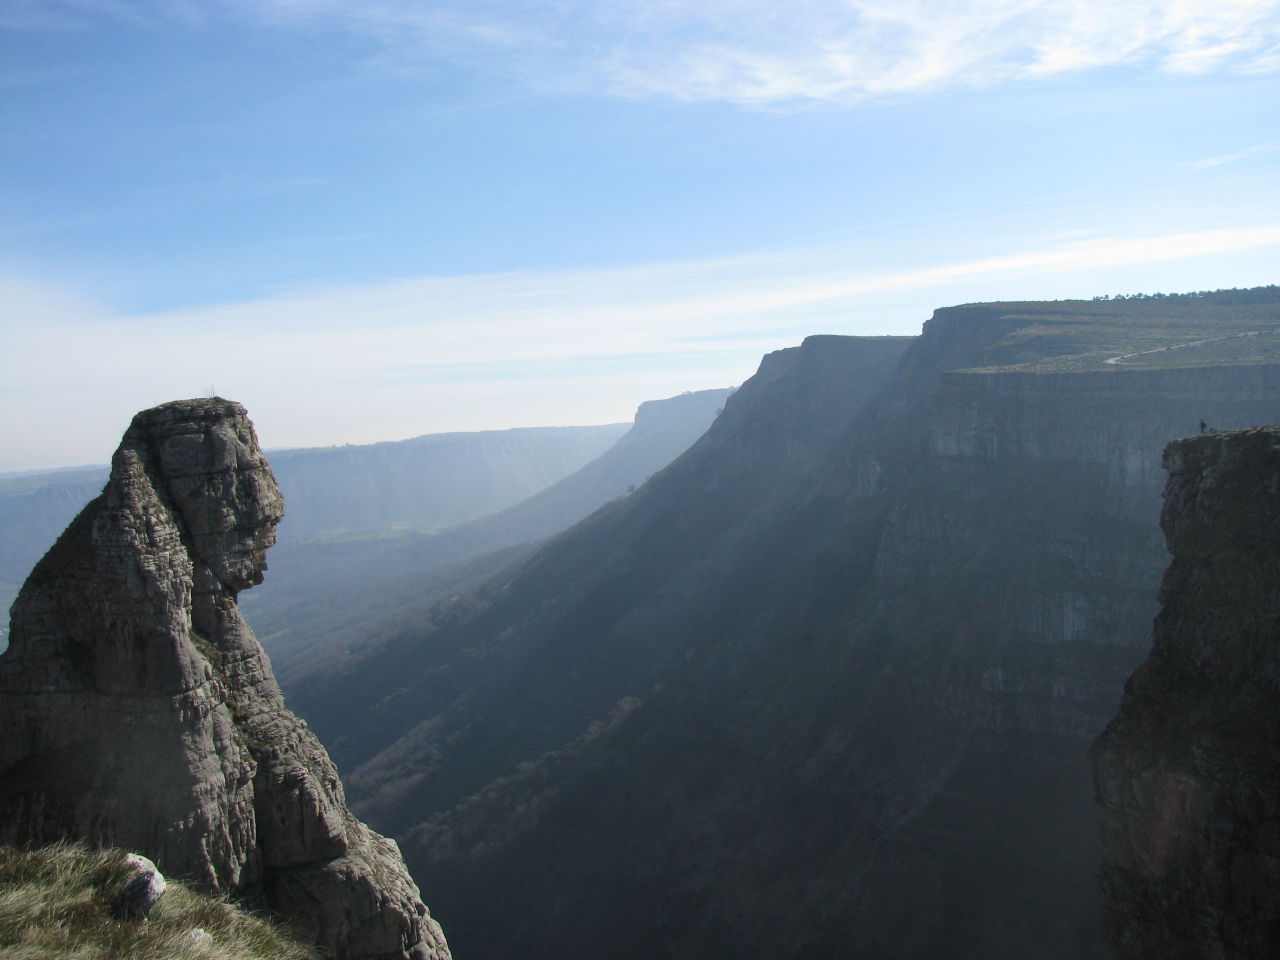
point(34, 509)
point(427, 483)
point(824, 686)
point(369, 490)
point(324, 598)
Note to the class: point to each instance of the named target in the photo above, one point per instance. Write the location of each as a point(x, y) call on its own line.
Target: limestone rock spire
point(137, 708)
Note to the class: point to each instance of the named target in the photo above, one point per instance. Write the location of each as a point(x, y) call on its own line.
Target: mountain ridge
point(824, 686)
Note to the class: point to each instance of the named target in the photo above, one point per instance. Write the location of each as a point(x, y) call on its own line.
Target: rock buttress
point(1187, 775)
point(137, 708)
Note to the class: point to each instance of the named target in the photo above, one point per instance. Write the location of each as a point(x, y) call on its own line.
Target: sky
point(377, 219)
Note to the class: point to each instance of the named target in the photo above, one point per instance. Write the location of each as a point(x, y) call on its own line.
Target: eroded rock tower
point(137, 708)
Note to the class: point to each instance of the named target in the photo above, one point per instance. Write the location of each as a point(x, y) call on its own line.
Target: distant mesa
point(138, 710)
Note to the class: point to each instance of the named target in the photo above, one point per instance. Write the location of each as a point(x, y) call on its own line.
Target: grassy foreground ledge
point(56, 904)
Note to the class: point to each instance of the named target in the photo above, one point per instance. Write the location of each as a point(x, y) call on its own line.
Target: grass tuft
point(56, 904)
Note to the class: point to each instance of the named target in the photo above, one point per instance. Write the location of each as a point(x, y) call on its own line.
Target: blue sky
point(369, 220)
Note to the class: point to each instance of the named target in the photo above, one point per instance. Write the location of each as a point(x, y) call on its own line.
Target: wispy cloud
point(760, 52)
point(389, 360)
point(1218, 161)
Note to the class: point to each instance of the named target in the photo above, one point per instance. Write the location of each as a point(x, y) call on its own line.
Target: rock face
point(1188, 773)
point(137, 708)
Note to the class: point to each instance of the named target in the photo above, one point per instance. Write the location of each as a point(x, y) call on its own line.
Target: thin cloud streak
point(350, 334)
point(385, 361)
point(1210, 162)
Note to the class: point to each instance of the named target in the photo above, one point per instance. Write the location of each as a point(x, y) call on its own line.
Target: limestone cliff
point(138, 710)
point(1188, 774)
point(822, 688)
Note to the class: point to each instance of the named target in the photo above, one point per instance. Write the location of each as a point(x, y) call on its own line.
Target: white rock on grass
point(143, 890)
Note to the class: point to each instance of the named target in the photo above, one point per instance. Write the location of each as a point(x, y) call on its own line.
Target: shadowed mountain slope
point(429, 482)
point(736, 483)
point(823, 687)
point(34, 509)
point(325, 598)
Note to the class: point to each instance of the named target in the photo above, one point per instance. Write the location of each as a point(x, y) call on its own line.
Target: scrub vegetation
point(57, 902)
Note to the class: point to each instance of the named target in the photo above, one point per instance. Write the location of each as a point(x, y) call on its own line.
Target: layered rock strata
point(1188, 773)
point(137, 708)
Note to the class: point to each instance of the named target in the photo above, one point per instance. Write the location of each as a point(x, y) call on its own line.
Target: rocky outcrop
point(137, 708)
point(1187, 774)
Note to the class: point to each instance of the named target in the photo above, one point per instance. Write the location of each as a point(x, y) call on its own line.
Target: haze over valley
point(834, 667)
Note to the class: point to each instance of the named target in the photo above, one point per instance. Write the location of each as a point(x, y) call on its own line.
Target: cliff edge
point(1188, 773)
point(137, 708)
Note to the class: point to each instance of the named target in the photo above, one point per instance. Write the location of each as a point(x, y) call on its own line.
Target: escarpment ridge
point(137, 708)
point(1187, 773)
point(823, 687)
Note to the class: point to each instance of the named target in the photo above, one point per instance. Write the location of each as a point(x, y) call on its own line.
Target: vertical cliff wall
point(138, 710)
point(1013, 589)
point(1188, 774)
